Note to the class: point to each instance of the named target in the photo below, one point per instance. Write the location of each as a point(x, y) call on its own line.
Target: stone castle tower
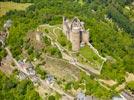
point(75, 32)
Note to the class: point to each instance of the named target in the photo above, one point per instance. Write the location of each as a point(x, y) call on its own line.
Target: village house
point(27, 67)
point(82, 96)
point(22, 75)
point(50, 79)
point(126, 95)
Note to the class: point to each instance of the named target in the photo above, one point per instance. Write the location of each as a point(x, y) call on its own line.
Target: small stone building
point(75, 32)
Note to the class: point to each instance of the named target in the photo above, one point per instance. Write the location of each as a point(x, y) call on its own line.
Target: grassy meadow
point(7, 6)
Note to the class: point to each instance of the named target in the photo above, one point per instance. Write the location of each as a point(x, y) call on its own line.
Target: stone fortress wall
point(75, 32)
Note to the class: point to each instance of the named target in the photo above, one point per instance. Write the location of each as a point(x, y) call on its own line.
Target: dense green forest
point(111, 32)
point(12, 89)
point(112, 38)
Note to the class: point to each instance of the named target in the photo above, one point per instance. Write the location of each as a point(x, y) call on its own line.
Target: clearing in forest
point(7, 6)
point(87, 57)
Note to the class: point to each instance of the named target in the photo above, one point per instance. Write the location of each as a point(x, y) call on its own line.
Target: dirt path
point(108, 82)
point(129, 77)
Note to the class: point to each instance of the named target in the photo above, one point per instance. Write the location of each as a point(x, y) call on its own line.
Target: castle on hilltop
point(75, 32)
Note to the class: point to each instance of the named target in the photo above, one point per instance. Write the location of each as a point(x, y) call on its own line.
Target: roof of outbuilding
point(127, 95)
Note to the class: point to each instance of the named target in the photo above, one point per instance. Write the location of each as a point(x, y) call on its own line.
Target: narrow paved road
point(57, 90)
point(14, 60)
point(42, 81)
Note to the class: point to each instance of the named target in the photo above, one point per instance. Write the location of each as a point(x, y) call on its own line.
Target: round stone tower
point(75, 34)
point(75, 39)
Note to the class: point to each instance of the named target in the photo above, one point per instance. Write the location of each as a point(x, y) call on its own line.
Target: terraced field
point(61, 69)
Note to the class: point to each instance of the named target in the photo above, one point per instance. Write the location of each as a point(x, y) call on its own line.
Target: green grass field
point(7, 6)
point(92, 59)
